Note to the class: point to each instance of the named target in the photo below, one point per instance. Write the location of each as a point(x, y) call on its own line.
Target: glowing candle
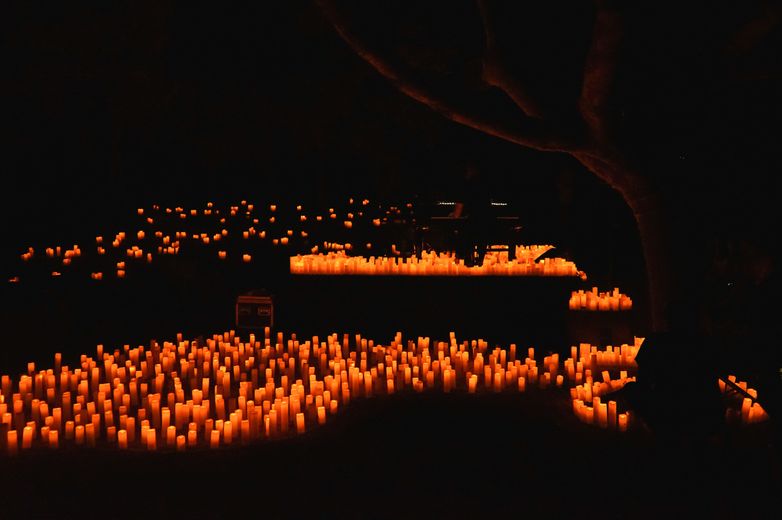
point(12, 442)
point(131, 429)
point(612, 414)
point(54, 439)
point(227, 432)
point(746, 405)
point(623, 420)
point(151, 439)
point(27, 437)
point(497, 382)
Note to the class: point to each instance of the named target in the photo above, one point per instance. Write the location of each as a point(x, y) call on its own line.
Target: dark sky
point(109, 106)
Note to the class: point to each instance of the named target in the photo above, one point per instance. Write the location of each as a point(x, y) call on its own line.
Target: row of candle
point(744, 410)
point(184, 394)
point(170, 244)
point(584, 363)
point(430, 263)
point(600, 301)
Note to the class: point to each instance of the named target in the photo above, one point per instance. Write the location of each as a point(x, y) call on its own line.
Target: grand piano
point(436, 228)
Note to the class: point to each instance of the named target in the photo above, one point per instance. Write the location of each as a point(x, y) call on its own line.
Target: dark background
point(110, 106)
point(113, 107)
point(107, 108)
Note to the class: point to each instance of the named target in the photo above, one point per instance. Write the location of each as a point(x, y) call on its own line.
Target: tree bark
point(649, 212)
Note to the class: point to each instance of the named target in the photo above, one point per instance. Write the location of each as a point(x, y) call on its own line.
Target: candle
point(54, 439)
point(227, 432)
point(612, 417)
point(623, 420)
point(27, 437)
point(302, 380)
point(430, 263)
point(12, 442)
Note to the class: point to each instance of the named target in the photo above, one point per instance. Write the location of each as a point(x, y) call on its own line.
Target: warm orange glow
point(429, 264)
point(531, 253)
point(741, 409)
point(226, 391)
point(600, 301)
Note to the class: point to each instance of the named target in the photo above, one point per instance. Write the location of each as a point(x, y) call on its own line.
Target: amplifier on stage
point(254, 310)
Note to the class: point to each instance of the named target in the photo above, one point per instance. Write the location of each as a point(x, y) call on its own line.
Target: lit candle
point(12, 442)
point(612, 417)
point(27, 437)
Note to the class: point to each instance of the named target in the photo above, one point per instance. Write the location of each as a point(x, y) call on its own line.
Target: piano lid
point(500, 209)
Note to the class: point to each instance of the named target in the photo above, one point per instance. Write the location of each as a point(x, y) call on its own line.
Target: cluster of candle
point(600, 301)
point(742, 409)
point(184, 394)
point(163, 231)
point(531, 253)
point(584, 363)
point(430, 263)
point(162, 234)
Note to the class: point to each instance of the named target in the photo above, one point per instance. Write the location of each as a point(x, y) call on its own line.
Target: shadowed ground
point(421, 456)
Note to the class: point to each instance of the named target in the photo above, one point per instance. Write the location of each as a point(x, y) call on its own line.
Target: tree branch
point(494, 71)
point(751, 33)
point(600, 68)
point(471, 110)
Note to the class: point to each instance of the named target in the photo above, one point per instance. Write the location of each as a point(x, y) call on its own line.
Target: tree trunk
point(651, 217)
